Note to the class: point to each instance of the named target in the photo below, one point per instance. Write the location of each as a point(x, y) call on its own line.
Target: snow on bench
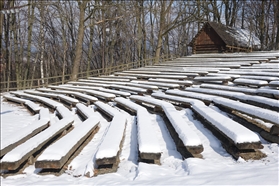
point(13, 159)
point(232, 76)
point(68, 100)
point(111, 78)
point(148, 87)
point(273, 84)
point(99, 94)
point(20, 136)
point(257, 112)
point(33, 107)
point(224, 79)
point(118, 77)
point(105, 108)
point(87, 83)
point(251, 73)
point(191, 143)
point(236, 139)
point(266, 78)
point(58, 153)
point(63, 112)
point(253, 82)
point(110, 148)
point(149, 147)
point(207, 99)
point(48, 102)
point(254, 100)
point(146, 76)
point(183, 83)
point(161, 85)
point(87, 98)
point(177, 99)
point(129, 88)
point(84, 111)
point(37, 93)
point(230, 88)
point(268, 92)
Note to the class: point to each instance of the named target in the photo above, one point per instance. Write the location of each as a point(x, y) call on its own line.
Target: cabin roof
point(231, 36)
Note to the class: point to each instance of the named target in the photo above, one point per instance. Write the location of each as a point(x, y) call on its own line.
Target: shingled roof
point(232, 36)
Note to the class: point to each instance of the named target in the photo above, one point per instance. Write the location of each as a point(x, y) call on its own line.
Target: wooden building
point(217, 38)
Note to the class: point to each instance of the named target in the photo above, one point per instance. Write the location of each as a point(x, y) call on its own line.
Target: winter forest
point(43, 39)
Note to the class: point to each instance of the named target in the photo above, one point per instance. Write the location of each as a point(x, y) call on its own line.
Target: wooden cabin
point(218, 38)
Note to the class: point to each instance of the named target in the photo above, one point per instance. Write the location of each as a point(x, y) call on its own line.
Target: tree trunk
point(78, 50)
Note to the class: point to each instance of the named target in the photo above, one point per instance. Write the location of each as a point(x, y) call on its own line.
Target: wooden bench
point(268, 93)
point(223, 79)
point(68, 101)
point(22, 135)
point(187, 142)
point(250, 82)
point(95, 92)
point(24, 152)
point(158, 84)
point(107, 156)
point(129, 88)
point(84, 111)
point(83, 97)
point(274, 84)
point(259, 101)
point(59, 153)
point(181, 83)
point(242, 109)
point(207, 99)
point(111, 78)
point(148, 144)
point(236, 139)
point(87, 84)
point(37, 93)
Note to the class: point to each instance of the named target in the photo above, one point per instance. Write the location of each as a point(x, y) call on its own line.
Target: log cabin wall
point(208, 41)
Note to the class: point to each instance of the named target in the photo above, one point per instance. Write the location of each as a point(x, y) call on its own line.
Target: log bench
point(148, 144)
point(159, 84)
point(274, 84)
point(58, 154)
point(181, 83)
point(107, 156)
point(236, 139)
point(84, 111)
point(223, 79)
point(22, 135)
point(238, 108)
point(187, 142)
point(44, 94)
point(24, 152)
point(83, 97)
point(68, 101)
point(250, 82)
point(130, 89)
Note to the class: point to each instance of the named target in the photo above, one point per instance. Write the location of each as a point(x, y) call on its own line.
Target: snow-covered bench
point(84, 97)
point(87, 84)
point(95, 92)
point(259, 101)
point(181, 83)
point(250, 82)
point(149, 147)
point(187, 141)
point(109, 150)
point(272, 93)
point(112, 78)
point(129, 88)
point(44, 94)
point(236, 139)
point(20, 154)
point(250, 110)
point(273, 84)
point(223, 79)
point(68, 101)
point(59, 153)
point(33, 107)
point(159, 84)
point(20, 136)
point(84, 111)
point(207, 99)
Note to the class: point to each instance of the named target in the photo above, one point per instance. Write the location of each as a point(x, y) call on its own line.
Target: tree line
point(48, 38)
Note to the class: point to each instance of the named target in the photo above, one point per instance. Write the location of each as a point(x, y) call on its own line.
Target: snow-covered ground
point(216, 168)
